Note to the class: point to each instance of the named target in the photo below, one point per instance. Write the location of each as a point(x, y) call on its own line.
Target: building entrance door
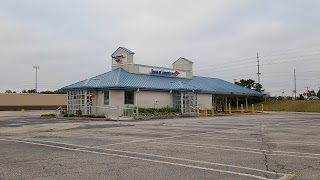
point(190, 105)
point(185, 102)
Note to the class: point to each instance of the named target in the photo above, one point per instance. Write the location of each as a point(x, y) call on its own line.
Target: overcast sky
point(72, 40)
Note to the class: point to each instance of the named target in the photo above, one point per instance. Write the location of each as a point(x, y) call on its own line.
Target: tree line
point(34, 91)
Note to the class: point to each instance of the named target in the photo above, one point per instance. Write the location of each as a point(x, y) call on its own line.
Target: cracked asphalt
point(268, 146)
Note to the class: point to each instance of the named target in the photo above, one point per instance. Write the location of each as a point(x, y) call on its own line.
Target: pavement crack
point(265, 149)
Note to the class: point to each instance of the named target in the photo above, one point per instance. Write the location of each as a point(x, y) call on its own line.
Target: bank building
point(135, 85)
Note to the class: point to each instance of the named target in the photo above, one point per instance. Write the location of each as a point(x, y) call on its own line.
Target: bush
point(158, 111)
point(71, 115)
point(94, 116)
point(79, 113)
point(48, 115)
point(75, 115)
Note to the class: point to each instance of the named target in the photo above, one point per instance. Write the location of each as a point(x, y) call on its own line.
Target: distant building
point(130, 84)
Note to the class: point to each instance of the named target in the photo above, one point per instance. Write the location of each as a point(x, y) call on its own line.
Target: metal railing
point(115, 112)
point(58, 112)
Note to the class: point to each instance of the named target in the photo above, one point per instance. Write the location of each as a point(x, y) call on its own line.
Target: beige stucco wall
point(205, 99)
point(116, 98)
point(153, 99)
point(129, 57)
point(8, 99)
point(182, 64)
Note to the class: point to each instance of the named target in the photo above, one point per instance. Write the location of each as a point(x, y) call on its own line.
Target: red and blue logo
point(166, 73)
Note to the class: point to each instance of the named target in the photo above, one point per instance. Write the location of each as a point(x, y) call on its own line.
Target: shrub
point(78, 112)
point(66, 115)
point(94, 116)
point(71, 115)
point(158, 111)
point(48, 115)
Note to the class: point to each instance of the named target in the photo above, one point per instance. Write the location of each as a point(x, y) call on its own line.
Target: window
point(106, 97)
point(76, 101)
point(128, 97)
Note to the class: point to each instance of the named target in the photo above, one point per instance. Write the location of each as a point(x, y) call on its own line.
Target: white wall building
point(130, 84)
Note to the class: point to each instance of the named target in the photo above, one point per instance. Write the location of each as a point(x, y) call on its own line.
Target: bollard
point(252, 108)
point(212, 111)
point(22, 110)
point(262, 108)
point(206, 111)
point(229, 107)
point(198, 112)
point(137, 112)
point(241, 108)
point(118, 112)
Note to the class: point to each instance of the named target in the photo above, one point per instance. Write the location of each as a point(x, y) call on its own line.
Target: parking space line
point(253, 140)
point(237, 149)
point(251, 150)
point(190, 160)
point(157, 161)
point(145, 140)
point(171, 137)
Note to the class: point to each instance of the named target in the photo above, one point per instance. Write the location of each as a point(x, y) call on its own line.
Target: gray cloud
point(73, 40)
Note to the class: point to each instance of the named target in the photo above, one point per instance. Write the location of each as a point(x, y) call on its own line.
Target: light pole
point(36, 67)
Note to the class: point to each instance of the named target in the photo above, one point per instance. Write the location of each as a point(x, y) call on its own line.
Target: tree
point(29, 91)
point(301, 97)
point(9, 91)
point(318, 94)
point(53, 92)
point(311, 93)
point(250, 84)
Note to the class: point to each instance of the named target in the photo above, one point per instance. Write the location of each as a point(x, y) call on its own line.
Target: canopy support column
point(237, 103)
point(247, 107)
point(182, 105)
point(226, 104)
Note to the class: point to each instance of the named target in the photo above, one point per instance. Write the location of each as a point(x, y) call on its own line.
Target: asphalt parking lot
point(268, 146)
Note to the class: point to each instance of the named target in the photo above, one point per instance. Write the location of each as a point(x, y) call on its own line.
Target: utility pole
point(258, 68)
point(308, 95)
point(295, 84)
point(307, 88)
point(282, 93)
point(36, 67)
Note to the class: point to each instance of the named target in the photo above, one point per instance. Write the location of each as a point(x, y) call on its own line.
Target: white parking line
point(233, 148)
point(253, 140)
point(162, 138)
point(153, 160)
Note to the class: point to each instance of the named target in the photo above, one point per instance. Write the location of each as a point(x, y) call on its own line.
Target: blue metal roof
point(121, 79)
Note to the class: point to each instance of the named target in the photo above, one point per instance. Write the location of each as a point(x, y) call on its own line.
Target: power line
point(266, 64)
point(266, 60)
point(248, 59)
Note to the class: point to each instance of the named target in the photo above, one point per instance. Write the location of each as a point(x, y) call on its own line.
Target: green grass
point(290, 106)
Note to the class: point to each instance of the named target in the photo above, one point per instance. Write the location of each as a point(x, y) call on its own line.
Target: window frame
point(104, 97)
point(128, 100)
